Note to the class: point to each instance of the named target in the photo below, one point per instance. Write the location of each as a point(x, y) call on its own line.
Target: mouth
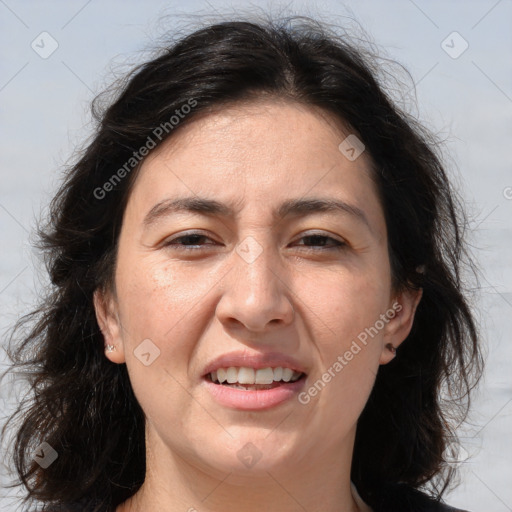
point(246, 381)
point(252, 379)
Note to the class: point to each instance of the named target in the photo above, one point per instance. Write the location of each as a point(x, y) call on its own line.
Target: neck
point(323, 485)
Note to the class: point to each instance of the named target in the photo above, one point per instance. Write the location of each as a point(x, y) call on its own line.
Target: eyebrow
point(292, 207)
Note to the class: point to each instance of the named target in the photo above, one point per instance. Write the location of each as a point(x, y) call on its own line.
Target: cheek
point(345, 304)
point(161, 304)
point(346, 314)
point(159, 301)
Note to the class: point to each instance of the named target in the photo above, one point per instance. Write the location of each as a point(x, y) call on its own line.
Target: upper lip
point(253, 360)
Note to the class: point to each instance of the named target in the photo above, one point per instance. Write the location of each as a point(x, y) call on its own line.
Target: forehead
point(259, 153)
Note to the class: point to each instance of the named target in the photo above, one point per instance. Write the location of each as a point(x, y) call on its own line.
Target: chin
point(252, 453)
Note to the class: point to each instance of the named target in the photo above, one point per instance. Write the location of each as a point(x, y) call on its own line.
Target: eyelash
point(340, 245)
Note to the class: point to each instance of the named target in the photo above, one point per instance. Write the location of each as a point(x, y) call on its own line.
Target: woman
point(256, 293)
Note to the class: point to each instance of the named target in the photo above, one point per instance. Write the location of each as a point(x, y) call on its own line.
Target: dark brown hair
point(84, 406)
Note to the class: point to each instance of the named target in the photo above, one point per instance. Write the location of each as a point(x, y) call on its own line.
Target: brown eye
point(323, 240)
point(188, 242)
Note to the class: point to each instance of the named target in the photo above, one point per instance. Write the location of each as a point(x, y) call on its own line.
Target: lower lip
point(251, 400)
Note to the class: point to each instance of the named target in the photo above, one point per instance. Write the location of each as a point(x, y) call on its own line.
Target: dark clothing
point(402, 498)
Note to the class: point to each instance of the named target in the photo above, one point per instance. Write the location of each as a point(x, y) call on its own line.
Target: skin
point(300, 296)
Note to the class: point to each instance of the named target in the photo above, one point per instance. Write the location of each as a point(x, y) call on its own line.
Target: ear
point(401, 314)
point(108, 320)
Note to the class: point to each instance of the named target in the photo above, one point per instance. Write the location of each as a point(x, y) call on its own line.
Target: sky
point(55, 56)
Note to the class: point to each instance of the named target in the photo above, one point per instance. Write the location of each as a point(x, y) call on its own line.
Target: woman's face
point(254, 266)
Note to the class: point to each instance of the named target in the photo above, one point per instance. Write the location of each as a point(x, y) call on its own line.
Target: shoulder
point(403, 498)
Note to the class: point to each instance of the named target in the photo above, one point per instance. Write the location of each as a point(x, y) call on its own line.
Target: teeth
point(232, 375)
point(287, 374)
point(264, 376)
point(245, 375)
point(221, 375)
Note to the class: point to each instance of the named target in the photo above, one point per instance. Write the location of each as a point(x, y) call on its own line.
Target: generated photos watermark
point(343, 360)
point(157, 134)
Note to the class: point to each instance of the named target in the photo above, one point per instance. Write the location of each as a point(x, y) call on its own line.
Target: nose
point(256, 295)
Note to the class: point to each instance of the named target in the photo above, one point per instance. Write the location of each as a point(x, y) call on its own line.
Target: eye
point(321, 239)
point(187, 242)
point(191, 242)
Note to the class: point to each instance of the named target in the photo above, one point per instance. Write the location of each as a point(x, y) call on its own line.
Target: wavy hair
point(83, 405)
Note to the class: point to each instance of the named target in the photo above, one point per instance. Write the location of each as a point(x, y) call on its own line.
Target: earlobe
point(108, 322)
point(400, 325)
